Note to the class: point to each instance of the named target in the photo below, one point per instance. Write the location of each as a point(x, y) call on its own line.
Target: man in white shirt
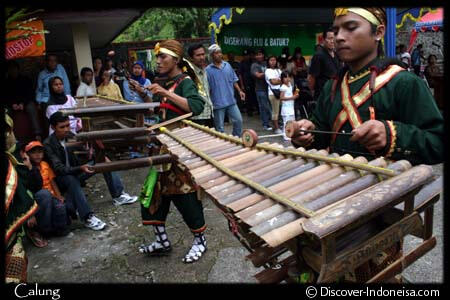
point(85, 88)
point(405, 56)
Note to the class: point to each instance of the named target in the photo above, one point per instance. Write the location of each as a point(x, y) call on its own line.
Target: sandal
point(36, 238)
point(159, 247)
point(155, 249)
point(197, 249)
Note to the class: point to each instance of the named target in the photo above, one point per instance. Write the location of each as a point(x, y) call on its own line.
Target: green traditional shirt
point(186, 88)
point(416, 128)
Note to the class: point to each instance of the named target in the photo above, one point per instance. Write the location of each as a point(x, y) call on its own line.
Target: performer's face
point(165, 63)
point(354, 39)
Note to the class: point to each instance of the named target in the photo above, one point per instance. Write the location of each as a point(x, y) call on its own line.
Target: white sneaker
point(124, 198)
point(278, 131)
point(94, 223)
point(267, 128)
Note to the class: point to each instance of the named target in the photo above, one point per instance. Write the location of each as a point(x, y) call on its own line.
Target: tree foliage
point(17, 19)
point(166, 23)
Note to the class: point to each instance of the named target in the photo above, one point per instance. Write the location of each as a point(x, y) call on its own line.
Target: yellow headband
point(342, 11)
point(158, 50)
point(9, 121)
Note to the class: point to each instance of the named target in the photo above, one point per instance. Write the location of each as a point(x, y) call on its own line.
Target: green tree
point(169, 23)
point(21, 18)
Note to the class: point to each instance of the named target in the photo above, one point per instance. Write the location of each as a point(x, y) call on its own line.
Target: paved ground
point(111, 256)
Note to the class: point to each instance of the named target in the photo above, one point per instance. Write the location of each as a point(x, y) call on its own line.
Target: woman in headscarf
point(134, 89)
point(180, 96)
point(59, 100)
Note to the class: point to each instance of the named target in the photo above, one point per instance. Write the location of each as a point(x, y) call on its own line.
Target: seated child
point(51, 218)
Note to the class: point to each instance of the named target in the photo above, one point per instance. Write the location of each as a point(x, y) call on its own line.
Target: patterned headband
point(342, 11)
point(158, 49)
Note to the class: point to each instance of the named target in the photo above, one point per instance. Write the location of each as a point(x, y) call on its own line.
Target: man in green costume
point(19, 207)
point(390, 111)
point(174, 183)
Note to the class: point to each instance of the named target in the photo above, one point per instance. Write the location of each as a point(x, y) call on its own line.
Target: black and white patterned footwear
point(159, 247)
point(197, 249)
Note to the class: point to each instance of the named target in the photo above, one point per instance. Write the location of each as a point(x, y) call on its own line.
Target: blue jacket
point(42, 92)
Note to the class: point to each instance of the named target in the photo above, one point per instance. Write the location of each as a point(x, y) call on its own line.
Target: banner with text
point(273, 38)
point(31, 45)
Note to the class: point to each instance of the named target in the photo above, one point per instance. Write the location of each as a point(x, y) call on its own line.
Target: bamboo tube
point(214, 132)
point(355, 186)
point(169, 122)
point(331, 160)
point(286, 232)
point(111, 134)
point(244, 168)
point(352, 210)
point(311, 169)
point(277, 209)
point(203, 145)
point(254, 197)
point(209, 171)
point(245, 155)
point(236, 175)
point(212, 180)
point(109, 110)
point(251, 174)
point(268, 179)
point(240, 190)
point(131, 163)
point(254, 209)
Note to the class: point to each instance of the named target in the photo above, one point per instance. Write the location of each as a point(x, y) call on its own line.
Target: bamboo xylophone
point(333, 213)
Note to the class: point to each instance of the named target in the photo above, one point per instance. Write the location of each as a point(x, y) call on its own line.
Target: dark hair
point(260, 50)
point(285, 50)
point(95, 58)
point(51, 80)
point(429, 57)
point(297, 50)
point(194, 47)
point(108, 59)
point(419, 46)
point(380, 50)
point(103, 70)
point(85, 70)
point(284, 74)
point(47, 56)
point(324, 34)
point(271, 56)
point(57, 117)
point(12, 64)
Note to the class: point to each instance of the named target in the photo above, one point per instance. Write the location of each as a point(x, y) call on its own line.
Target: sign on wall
point(273, 38)
point(29, 45)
